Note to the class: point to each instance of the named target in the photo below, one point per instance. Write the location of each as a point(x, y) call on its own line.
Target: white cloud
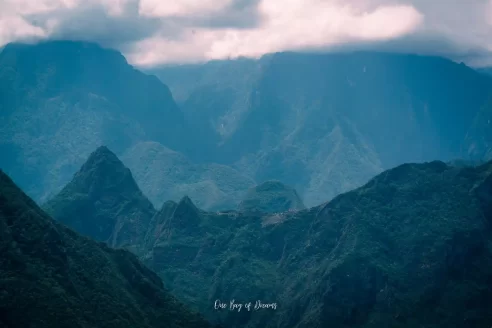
point(15, 27)
point(156, 8)
point(152, 31)
point(311, 23)
point(287, 25)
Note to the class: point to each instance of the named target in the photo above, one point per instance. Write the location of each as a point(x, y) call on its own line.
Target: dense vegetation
point(411, 248)
point(52, 277)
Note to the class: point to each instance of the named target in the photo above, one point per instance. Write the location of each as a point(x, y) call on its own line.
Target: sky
point(156, 32)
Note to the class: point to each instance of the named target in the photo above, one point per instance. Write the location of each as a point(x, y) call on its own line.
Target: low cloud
point(153, 32)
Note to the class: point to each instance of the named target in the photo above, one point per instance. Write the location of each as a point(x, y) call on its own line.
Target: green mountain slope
point(104, 202)
point(52, 277)
point(164, 174)
point(271, 197)
point(61, 100)
point(411, 248)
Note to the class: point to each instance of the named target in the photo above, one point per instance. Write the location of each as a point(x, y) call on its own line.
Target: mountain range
point(327, 123)
point(340, 189)
point(411, 248)
point(321, 123)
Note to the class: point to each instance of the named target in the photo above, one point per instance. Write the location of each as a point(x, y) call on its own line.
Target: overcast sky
point(153, 32)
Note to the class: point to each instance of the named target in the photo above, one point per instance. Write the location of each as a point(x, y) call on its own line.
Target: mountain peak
point(102, 155)
point(103, 201)
point(103, 170)
point(186, 201)
point(186, 215)
point(270, 197)
point(103, 150)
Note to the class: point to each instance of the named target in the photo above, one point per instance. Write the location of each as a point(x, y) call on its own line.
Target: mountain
point(411, 248)
point(271, 197)
point(62, 99)
point(327, 123)
point(164, 174)
point(104, 202)
point(52, 277)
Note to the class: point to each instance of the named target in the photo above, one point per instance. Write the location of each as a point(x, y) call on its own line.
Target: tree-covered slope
point(52, 277)
point(271, 197)
point(104, 202)
point(411, 248)
point(62, 99)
